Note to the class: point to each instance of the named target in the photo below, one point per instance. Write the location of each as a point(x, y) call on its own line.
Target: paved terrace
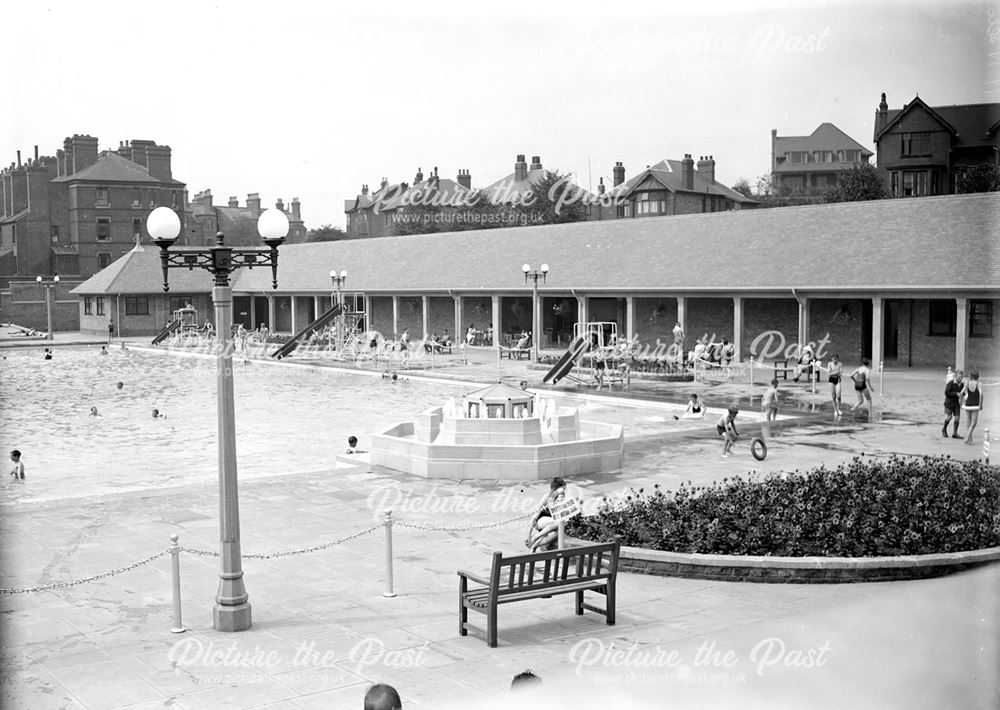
point(323, 631)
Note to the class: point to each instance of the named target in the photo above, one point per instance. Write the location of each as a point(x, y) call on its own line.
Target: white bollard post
point(175, 573)
point(751, 379)
point(388, 555)
point(881, 377)
point(986, 446)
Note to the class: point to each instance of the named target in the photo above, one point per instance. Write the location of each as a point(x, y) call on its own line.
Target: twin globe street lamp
point(48, 300)
point(534, 276)
point(339, 279)
point(232, 608)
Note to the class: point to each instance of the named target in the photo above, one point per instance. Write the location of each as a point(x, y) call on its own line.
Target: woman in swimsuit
point(972, 402)
point(835, 372)
point(862, 384)
point(543, 532)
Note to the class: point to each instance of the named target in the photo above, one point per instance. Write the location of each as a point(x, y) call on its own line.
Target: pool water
point(288, 419)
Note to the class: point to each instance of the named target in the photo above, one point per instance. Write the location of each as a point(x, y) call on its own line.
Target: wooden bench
point(514, 353)
point(783, 369)
point(538, 576)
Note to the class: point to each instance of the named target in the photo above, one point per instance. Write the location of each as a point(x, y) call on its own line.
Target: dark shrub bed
point(868, 507)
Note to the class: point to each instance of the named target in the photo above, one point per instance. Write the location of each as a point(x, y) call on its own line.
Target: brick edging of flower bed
point(797, 570)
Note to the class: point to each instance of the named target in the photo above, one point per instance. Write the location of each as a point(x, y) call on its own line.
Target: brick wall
point(441, 315)
point(411, 315)
point(711, 316)
point(380, 318)
point(477, 310)
point(654, 318)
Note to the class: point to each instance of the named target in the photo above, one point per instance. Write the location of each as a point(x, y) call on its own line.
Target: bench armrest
point(473, 577)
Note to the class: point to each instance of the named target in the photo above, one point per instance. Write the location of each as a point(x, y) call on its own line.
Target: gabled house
point(806, 166)
point(921, 150)
point(376, 214)
point(673, 187)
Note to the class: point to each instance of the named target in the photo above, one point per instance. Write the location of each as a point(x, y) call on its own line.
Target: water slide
point(577, 347)
point(162, 335)
point(290, 346)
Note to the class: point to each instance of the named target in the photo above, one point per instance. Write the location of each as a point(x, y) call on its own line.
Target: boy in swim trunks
point(727, 430)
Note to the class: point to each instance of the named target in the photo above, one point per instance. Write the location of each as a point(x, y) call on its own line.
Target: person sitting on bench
point(543, 531)
point(805, 363)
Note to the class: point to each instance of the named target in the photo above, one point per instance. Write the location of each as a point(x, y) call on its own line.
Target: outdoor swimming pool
point(288, 419)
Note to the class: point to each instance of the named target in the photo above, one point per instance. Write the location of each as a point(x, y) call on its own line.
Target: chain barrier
point(461, 528)
point(74, 582)
point(264, 556)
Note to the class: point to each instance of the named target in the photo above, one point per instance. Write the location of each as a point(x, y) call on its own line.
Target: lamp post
point(338, 280)
point(232, 610)
point(48, 300)
point(534, 276)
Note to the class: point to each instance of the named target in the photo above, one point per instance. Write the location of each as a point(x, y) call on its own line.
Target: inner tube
point(758, 448)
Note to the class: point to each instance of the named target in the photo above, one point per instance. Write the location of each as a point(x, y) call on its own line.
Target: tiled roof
point(508, 188)
point(138, 272)
point(444, 192)
point(899, 244)
point(972, 123)
point(111, 167)
point(826, 137)
point(668, 173)
point(14, 217)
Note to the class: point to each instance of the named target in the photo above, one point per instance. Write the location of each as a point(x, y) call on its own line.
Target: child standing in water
point(835, 372)
point(769, 402)
point(17, 469)
point(862, 384)
point(972, 402)
point(726, 427)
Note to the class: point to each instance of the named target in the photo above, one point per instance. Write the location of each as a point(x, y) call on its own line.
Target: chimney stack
point(36, 153)
point(280, 204)
point(18, 158)
point(464, 179)
point(520, 169)
point(253, 203)
point(234, 201)
point(536, 162)
point(84, 152)
point(883, 113)
point(419, 177)
point(296, 207)
point(600, 186)
point(364, 189)
point(687, 172)
point(385, 181)
point(157, 161)
point(706, 168)
point(619, 173)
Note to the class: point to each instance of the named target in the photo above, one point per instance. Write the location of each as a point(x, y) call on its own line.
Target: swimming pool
point(288, 419)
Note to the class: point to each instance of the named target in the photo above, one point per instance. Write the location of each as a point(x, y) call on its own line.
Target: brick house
point(74, 213)
point(238, 223)
point(374, 214)
point(804, 167)
point(922, 150)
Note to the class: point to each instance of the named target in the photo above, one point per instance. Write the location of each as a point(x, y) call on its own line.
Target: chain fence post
point(881, 378)
point(388, 555)
point(175, 574)
point(986, 446)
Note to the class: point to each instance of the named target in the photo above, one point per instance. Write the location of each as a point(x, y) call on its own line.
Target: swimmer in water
point(352, 444)
point(157, 415)
point(104, 350)
point(93, 412)
point(119, 384)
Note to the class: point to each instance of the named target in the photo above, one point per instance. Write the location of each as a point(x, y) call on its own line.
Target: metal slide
point(163, 334)
point(290, 346)
point(577, 347)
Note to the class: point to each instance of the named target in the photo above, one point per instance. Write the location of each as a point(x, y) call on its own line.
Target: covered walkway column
point(270, 313)
point(318, 306)
point(961, 332)
point(682, 314)
point(295, 315)
point(459, 336)
point(395, 316)
point(803, 334)
point(582, 309)
point(425, 309)
point(878, 326)
point(496, 321)
point(253, 312)
point(368, 313)
point(629, 317)
point(737, 327)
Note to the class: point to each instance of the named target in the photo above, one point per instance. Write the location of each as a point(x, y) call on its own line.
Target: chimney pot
point(618, 174)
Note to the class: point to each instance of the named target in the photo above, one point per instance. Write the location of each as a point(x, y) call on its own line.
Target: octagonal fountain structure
point(499, 432)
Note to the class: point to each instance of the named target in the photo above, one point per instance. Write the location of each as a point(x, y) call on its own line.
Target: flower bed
point(866, 508)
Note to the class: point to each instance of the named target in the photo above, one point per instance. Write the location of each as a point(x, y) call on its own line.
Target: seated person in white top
point(523, 341)
point(805, 363)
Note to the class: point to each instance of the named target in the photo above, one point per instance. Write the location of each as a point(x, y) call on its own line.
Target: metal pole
point(881, 377)
point(232, 610)
point(48, 310)
point(388, 555)
point(175, 573)
point(534, 314)
point(986, 446)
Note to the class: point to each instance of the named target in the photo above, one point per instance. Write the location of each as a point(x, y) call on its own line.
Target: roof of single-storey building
point(138, 272)
point(919, 243)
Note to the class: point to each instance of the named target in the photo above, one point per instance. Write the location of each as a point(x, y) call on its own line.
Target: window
point(916, 144)
point(650, 203)
point(894, 184)
point(921, 183)
point(102, 198)
point(103, 229)
point(980, 319)
point(934, 182)
point(173, 199)
point(137, 305)
point(136, 197)
point(176, 303)
point(942, 318)
point(100, 306)
point(103, 259)
point(798, 157)
point(88, 305)
point(54, 233)
point(851, 156)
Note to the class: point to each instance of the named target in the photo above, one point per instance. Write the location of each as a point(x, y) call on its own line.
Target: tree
point(765, 186)
point(742, 186)
point(326, 233)
point(981, 178)
point(554, 199)
point(857, 184)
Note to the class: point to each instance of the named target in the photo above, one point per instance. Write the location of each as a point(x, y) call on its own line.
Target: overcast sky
point(312, 100)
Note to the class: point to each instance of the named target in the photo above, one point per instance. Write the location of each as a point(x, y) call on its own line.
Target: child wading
point(17, 469)
point(862, 384)
point(727, 430)
point(769, 402)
